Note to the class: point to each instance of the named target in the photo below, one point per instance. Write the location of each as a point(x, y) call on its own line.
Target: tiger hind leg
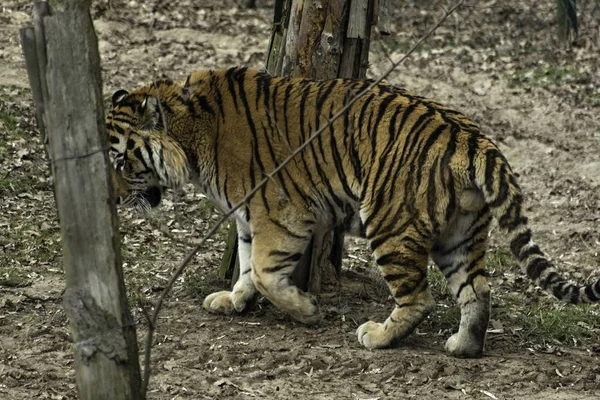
point(275, 254)
point(227, 302)
point(403, 263)
point(460, 255)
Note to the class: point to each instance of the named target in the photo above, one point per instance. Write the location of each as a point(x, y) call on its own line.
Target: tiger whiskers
point(137, 201)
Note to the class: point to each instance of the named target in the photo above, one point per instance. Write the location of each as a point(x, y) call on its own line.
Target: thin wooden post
point(383, 17)
point(67, 89)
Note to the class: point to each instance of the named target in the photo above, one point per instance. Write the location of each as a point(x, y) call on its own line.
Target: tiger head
point(145, 158)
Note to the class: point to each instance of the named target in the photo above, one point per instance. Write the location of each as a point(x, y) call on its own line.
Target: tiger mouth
point(152, 195)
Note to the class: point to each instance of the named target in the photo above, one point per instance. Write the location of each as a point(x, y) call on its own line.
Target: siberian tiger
point(414, 177)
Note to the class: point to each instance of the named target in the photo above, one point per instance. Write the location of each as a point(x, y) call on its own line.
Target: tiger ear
point(118, 96)
point(151, 111)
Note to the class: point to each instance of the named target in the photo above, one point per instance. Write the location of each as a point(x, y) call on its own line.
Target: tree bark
point(317, 39)
point(68, 89)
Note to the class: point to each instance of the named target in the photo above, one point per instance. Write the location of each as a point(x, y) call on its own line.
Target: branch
point(192, 253)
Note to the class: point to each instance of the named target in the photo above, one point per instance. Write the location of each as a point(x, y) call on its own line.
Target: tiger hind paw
point(462, 347)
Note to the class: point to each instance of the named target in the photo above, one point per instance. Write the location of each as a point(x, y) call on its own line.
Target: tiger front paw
point(225, 302)
point(372, 335)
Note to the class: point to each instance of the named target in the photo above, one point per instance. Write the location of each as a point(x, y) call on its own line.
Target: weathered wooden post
point(319, 40)
point(64, 71)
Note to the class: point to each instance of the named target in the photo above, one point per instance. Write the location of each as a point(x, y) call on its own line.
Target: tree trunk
point(323, 39)
point(66, 83)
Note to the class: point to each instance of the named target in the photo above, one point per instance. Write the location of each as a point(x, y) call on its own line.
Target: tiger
point(417, 179)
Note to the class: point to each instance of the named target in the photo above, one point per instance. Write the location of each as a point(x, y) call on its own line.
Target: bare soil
point(499, 63)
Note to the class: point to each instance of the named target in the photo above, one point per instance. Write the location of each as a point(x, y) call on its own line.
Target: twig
point(188, 257)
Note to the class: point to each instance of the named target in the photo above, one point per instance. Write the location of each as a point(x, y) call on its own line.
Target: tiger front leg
point(275, 254)
point(227, 302)
point(405, 272)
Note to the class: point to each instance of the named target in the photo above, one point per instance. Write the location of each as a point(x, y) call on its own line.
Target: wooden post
point(318, 40)
point(67, 89)
point(383, 17)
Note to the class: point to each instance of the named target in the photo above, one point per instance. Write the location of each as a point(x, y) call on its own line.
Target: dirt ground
point(499, 63)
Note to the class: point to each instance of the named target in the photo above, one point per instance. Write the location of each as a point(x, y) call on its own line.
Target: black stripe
point(286, 99)
point(589, 292)
point(415, 245)
point(226, 194)
point(382, 159)
point(432, 195)
point(305, 198)
point(469, 282)
point(276, 268)
point(397, 258)
point(396, 276)
point(478, 231)
point(536, 267)
point(161, 164)
point(450, 208)
point(321, 98)
point(129, 119)
point(246, 239)
point(503, 188)
point(138, 154)
point(216, 166)
point(305, 93)
point(274, 101)
point(491, 159)
point(326, 180)
point(559, 290)
point(417, 165)
point(275, 162)
point(550, 280)
point(473, 148)
point(114, 127)
point(446, 170)
point(375, 243)
point(509, 222)
point(231, 86)
point(337, 161)
point(240, 77)
point(363, 110)
point(354, 156)
point(519, 242)
point(204, 105)
point(286, 230)
point(460, 265)
point(529, 252)
point(286, 256)
point(217, 96)
point(397, 166)
point(382, 109)
point(413, 135)
point(266, 83)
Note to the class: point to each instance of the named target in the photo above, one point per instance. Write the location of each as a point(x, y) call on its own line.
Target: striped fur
point(414, 177)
